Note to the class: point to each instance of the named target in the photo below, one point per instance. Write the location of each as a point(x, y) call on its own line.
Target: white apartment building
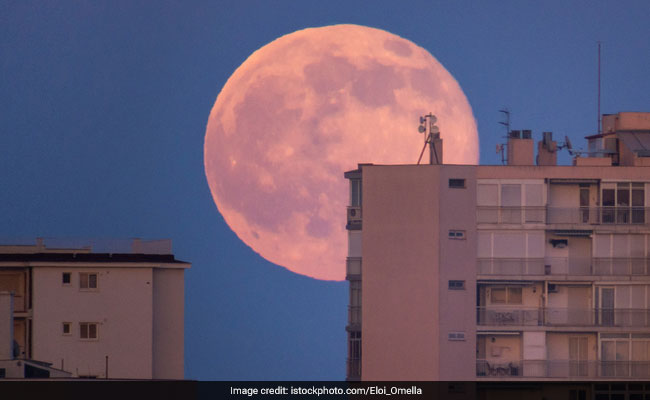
point(521, 271)
point(95, 313)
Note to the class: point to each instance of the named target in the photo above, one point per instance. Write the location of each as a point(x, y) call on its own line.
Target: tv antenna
point(501, 147)
point(431, 133)
point(567, 145)
point(599, 130)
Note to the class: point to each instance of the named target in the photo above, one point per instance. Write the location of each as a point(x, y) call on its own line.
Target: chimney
point(6, 325)
point(547, 150)
point(520, 148)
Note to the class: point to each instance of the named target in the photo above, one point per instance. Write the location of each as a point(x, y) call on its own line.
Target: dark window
point(457, 183)
point(3, 372)
point(87, 330)
point(66, 278)
point(453, 234)
point(456, 285)
point(87, 280)
point(66, 328)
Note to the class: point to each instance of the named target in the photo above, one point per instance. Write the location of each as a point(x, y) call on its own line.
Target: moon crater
point(307, 107)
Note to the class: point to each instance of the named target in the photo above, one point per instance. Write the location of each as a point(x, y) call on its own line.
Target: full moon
point(307, 107)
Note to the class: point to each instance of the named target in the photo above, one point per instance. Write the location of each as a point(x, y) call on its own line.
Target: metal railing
point(354, 315)
point(598, 215)
point(556, 316)
point(563, 369)
point(621, 266)
point(587, 266)
point(510, 215)
point(353, 372)
point(510, 266)
point(563, 215)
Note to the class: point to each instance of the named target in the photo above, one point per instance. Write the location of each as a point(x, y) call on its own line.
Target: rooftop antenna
point(431, 132)
point(506, 123)
point(567, 145)
point(599, 123)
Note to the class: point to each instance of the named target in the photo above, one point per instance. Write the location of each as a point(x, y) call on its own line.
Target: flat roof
point(90, 257)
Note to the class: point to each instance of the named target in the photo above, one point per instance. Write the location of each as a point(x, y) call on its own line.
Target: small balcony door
point(578, 356)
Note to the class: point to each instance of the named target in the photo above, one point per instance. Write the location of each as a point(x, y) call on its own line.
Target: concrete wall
point(122, 308)
point(457, 262)
point(168, 323)
point(401, 283)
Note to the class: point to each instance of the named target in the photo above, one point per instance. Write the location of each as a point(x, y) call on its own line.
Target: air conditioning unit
point(354, 214)
point(552, 288)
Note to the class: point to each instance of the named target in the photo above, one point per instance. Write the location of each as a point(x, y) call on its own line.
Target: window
point(355, 192)
point(87, 330)
point(457, 183)
point(66, 328)
point(456, 234)
point(65, 278)
point(456, 336)
point(623, 203)
point(511, 295)
point(87, 280)
point(456, 285)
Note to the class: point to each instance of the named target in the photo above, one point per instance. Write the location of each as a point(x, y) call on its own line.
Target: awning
point(504, 283)
point(572, 181)
point(495, 333)
point(571, 232)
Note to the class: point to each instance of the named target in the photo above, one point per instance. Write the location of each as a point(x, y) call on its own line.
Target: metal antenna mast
point(431, 132)
point(599, 124)
point(506, 123)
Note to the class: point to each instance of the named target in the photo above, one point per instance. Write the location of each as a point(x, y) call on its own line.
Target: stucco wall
point(122, 308)
point(400, 332)
point(168, 323)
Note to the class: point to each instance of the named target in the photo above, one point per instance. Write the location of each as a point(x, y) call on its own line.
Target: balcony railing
point(563, 215)
point(563, 369)
point(587, 266)
point(555, 316)
point(354, 315)
point(510, 215)
point(510, 266)
point(353, 372)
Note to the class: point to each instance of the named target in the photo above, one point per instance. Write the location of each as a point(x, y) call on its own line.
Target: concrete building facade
point(98, 315)
point(520, 271)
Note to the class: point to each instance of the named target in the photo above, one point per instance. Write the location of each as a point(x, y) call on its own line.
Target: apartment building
point(524, 271)
point(93, 312)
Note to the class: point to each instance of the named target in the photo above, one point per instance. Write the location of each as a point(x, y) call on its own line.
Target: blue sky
point(103, 113)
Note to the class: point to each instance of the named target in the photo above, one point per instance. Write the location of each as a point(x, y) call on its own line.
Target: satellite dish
point(422, 120)
point(568, 143)
point(435, 129)
point(433, 118)
point(421, 129)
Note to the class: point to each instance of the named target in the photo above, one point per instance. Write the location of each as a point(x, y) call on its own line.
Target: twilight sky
point(104, 107)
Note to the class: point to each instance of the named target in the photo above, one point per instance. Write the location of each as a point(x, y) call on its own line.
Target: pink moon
point(307, 107)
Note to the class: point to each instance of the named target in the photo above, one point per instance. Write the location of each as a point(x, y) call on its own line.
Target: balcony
point(563, 215)
point(353, 218)
point(353, 268)
point(555, 316)
point(598, 215)
point(510, 215)
point(563, 369)
point(580, 266)
point(354, 316)
point(353, 372)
